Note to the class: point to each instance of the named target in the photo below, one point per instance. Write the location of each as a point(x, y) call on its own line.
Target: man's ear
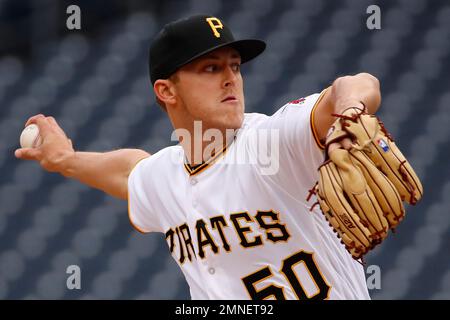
point(165, 91)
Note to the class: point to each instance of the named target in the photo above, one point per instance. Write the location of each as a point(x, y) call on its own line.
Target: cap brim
point(247, 48)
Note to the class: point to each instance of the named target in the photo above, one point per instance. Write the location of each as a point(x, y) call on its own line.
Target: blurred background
point(95, 82)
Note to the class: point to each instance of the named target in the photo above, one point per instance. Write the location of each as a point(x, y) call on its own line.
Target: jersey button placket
point(193, 182)
point(207, 262)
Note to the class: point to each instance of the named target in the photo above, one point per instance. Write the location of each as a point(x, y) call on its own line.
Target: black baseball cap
point(184, 40)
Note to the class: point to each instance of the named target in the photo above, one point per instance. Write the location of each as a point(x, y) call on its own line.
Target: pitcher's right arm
point(106, 171)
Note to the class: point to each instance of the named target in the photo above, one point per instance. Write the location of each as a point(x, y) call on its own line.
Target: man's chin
point(231, 122)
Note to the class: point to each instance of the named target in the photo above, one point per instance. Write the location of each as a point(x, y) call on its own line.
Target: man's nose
point(229, 77)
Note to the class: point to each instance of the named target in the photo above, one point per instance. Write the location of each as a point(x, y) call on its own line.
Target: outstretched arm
point(106, 171)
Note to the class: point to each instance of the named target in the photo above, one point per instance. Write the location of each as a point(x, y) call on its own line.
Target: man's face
point(211, 89)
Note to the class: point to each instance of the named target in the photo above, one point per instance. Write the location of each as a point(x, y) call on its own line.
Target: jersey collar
point(193, 170)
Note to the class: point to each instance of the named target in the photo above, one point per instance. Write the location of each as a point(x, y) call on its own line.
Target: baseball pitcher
point(252, 206)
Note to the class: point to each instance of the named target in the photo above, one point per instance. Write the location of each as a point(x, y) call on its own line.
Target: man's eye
point(211, 68)
point(236, 67)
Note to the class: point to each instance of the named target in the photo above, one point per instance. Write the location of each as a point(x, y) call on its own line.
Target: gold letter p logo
point(215, 24)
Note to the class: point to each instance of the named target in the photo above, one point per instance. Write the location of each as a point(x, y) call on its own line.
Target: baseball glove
point(360, 190)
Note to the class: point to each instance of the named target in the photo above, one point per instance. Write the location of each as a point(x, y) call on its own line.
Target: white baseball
point(30, 137)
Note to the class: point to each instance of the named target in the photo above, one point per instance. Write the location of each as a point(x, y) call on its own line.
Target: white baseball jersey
point(239, 232)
